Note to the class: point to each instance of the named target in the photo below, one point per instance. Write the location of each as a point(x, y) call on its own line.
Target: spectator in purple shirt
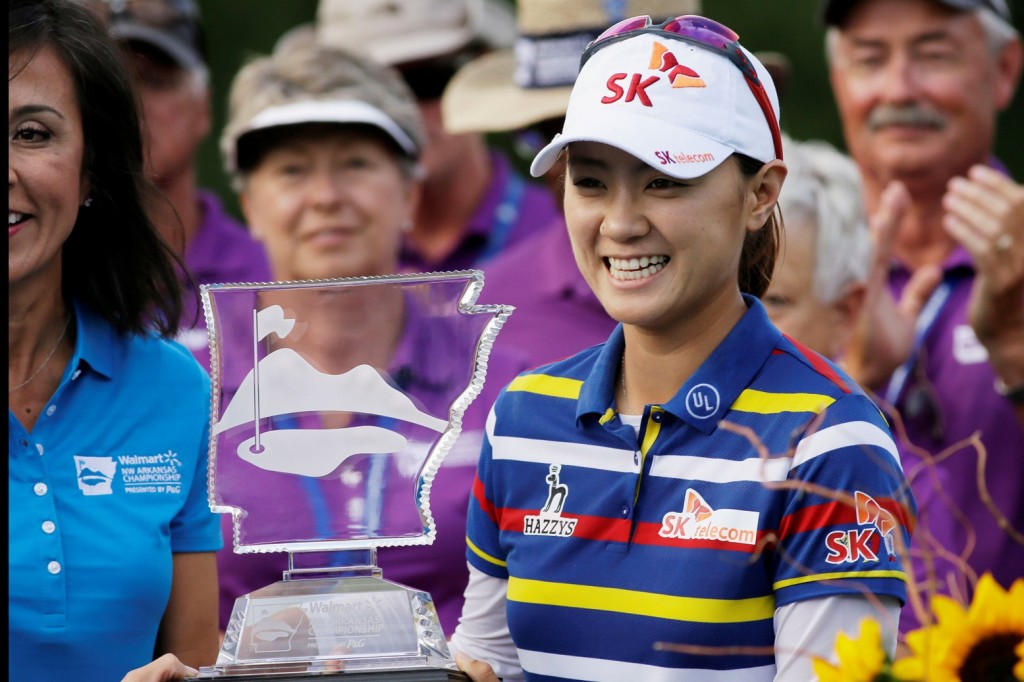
point(474, 204)
point(919, 84)
point(164, 48)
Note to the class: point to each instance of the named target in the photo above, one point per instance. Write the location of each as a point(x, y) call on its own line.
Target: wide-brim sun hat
point(397, 32)
point(677, 107)
point(482, 97)
point(517, 87)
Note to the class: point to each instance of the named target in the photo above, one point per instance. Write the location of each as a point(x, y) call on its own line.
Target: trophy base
point(427, 669)
point(398, 675)
point(359, 627)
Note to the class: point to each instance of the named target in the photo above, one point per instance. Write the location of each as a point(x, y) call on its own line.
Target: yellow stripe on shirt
point(651, 604)
point(857, 575)
point(543, 384)
point(760, 402)
point(484, 555)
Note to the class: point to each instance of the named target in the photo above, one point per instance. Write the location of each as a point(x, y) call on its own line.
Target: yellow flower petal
point(861, 658)
point(826, 672)
point(908, 669)
point(1015, 605)
point(989, 604)
point(947, 611)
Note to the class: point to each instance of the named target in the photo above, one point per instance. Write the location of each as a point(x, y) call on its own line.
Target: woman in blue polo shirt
point(699, 497)
point(111, 538)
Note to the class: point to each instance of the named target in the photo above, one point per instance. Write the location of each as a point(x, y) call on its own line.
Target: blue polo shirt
point(767, 479)
point(110, 482)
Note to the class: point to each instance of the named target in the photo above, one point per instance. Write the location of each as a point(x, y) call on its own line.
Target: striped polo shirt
point(767, 479)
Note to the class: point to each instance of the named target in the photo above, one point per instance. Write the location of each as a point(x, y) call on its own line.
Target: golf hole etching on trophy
point(334, 404)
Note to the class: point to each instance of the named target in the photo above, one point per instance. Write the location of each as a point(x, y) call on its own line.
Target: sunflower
point(860, 660)
point(977, 644)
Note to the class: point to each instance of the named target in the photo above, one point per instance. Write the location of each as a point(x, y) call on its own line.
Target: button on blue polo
point(657, 416)
point(625, 510)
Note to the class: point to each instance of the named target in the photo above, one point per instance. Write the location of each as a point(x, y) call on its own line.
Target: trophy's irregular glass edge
point(466, 305)
point(483, 350)
point(211, 333)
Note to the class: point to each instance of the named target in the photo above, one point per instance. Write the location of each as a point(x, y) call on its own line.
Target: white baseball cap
point(678, 107)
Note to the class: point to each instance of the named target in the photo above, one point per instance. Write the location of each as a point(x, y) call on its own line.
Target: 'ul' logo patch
point(702, 401)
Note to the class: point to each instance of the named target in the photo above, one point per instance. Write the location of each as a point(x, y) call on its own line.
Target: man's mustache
point(907, 115)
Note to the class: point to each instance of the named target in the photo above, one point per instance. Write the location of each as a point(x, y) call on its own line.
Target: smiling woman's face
point(46, 147)
point(329, 202)
point(656, 250)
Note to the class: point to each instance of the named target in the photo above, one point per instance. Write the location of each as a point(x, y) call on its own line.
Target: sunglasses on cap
point(701, 32)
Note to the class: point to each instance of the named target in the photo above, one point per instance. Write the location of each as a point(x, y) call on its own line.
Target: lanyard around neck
point(925, 321)
point(506, 215)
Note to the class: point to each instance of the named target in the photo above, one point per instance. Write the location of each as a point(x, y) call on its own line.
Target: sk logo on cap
point(661, 60)
point(680, 76)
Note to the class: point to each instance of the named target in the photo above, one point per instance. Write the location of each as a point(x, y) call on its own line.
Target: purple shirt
point(557, 315)
point(512, 210)
point(222, 251)
point(439, 568)
point(942, 411)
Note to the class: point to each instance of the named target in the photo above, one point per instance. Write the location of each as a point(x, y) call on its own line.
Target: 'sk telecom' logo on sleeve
point(861, 544)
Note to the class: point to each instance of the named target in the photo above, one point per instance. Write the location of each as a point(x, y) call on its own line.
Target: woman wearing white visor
point(699, 497)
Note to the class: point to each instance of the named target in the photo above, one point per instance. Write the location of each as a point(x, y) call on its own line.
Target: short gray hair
point(823, 188)
point(301, 70)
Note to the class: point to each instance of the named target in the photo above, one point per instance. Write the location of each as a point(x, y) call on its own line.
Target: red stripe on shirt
point(819, 364)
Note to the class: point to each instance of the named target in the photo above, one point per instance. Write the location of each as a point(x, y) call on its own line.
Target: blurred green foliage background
point(237, 30)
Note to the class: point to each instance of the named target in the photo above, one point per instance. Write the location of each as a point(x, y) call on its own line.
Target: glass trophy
point(334, 404)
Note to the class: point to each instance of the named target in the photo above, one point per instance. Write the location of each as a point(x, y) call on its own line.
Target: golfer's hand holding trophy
point(334, 404)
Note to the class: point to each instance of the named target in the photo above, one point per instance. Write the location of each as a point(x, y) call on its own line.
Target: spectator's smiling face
point(917, 88)
point(329, 201)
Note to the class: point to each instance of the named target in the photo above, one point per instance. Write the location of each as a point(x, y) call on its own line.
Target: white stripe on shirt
point(845, 435)
point(604, 670)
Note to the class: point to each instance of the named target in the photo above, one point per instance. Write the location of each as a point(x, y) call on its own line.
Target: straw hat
point(514, 88)
point(396, 32)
